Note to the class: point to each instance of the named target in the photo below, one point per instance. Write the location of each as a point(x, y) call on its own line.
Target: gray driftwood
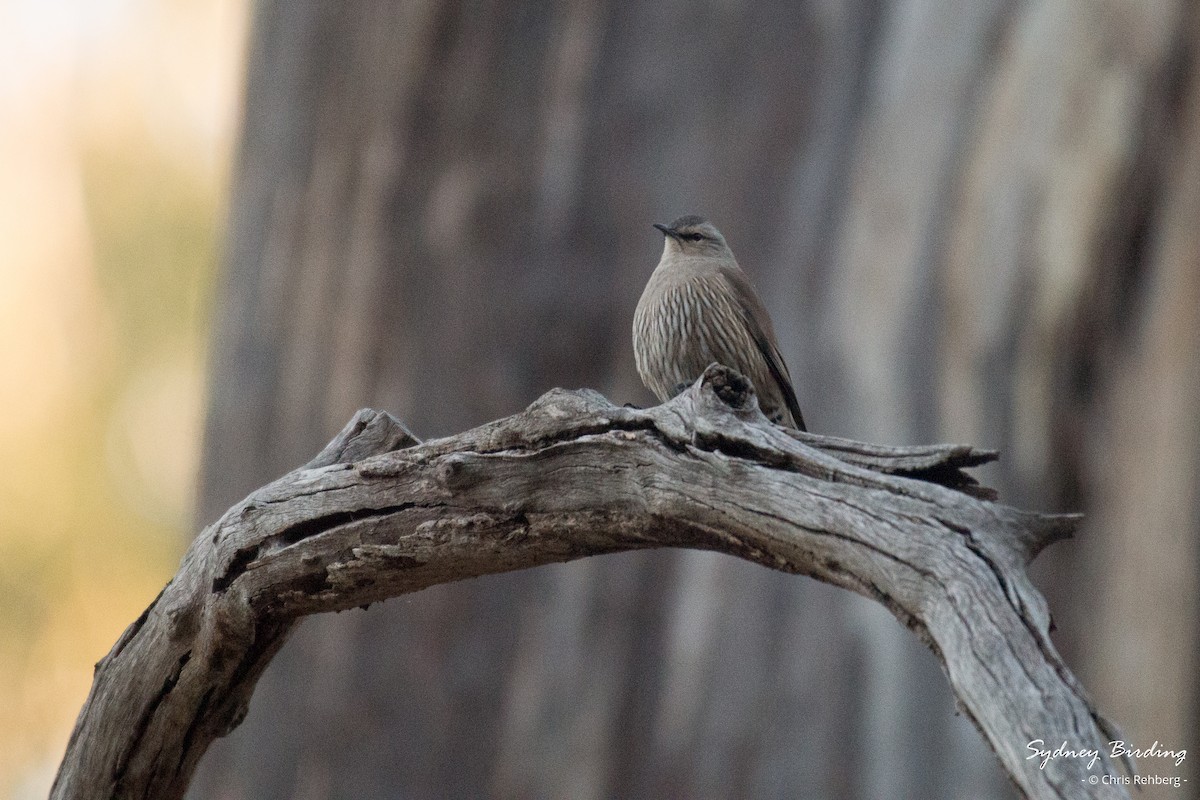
point(378, 514)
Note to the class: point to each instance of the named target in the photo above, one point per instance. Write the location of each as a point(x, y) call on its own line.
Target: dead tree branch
point(378, 514)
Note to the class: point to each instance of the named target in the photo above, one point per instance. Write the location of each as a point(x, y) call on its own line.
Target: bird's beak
point(666, 231)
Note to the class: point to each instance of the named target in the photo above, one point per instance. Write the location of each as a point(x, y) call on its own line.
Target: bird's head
point(693, 236)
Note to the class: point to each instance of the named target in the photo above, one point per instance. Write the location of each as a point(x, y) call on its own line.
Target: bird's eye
point(694, 237)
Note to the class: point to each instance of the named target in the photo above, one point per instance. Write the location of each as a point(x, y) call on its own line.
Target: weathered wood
point(574, 476)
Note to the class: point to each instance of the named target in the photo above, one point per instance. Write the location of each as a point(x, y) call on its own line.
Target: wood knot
point(452, 471)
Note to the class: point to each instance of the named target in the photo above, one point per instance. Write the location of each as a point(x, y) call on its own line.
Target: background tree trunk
point(969, 221)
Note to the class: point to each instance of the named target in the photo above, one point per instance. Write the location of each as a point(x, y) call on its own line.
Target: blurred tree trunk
point(970, 221)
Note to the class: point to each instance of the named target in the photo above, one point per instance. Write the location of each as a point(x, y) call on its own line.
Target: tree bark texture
point(377, 515)
point(970, 221)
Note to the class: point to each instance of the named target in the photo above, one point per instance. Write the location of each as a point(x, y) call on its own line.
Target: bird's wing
point(759, 323)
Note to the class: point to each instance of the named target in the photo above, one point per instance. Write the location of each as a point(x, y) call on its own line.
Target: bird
point(699, 307)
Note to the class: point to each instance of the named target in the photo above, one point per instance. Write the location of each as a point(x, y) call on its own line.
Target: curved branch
point(378, 514)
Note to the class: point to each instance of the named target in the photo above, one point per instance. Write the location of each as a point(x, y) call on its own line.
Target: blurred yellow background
point(116, 124)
